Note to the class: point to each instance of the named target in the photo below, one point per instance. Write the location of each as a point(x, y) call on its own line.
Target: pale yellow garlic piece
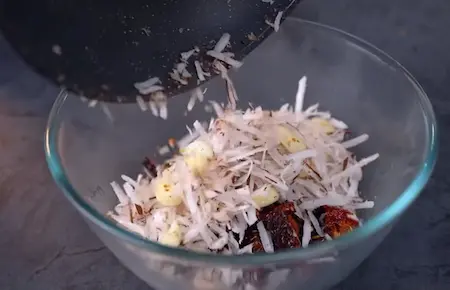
point(166, 192)
point(172, 237)
point(197, 156)
point(289, 140)
point(325, 125)
point(266, 198)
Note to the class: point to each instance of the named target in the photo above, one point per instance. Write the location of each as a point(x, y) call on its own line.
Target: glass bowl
point(87, 148)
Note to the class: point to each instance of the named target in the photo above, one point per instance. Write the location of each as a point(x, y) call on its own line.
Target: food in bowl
point(250, 181)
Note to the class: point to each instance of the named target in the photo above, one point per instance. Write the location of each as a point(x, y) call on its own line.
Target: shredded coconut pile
point(206, 196)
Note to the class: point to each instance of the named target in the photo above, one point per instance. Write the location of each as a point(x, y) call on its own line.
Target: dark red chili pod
point(149, 167)
point(337, 221)
point(280, 222)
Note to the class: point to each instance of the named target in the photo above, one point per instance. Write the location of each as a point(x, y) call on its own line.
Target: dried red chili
point(276, 208)
point(283, 226)
point(336, 221)
point(252, 236)
point(345, 164)
point(172, 142)
point(139, 209)
point(150, 167)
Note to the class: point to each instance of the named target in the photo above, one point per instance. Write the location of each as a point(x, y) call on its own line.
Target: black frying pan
point(100, 48)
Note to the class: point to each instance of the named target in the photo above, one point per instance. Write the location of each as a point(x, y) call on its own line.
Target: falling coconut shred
point(227, 175)
point(276, 24)
point(226, 57)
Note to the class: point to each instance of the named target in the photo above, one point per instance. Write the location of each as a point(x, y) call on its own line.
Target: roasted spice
point(337, 222)
point(150, 167)
point(139, 209)
point(252, 236)
point(172, 142)
point(282, 224)
point(345, 164)
point(276, 208)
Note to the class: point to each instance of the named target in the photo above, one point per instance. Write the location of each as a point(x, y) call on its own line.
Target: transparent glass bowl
point(355, 81)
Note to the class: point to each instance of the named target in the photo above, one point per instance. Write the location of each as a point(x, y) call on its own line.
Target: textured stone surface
point(45, 245)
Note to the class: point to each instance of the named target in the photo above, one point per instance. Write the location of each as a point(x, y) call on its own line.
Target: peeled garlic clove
point(197, 156)
point(290, 141)
point(167, 193)
point(325, 125)
point(266, 198)
point(172, 237)
point(199, 148)
point(197, 165)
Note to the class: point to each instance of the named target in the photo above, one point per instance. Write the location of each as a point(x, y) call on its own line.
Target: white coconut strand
point(223, 172)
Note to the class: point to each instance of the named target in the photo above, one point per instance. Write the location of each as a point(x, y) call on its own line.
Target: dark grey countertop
point(44, 244)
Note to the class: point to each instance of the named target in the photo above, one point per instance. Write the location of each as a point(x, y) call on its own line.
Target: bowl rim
point(373, 225)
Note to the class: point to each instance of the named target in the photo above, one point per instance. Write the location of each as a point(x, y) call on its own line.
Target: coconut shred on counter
point(251, 181)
